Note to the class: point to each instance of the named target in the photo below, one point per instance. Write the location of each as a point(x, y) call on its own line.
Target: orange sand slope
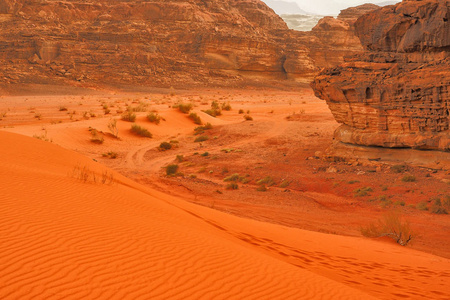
point(72, 229)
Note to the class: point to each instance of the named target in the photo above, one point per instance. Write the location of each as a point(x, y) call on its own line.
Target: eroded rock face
point(396, 94)
point(161, 43)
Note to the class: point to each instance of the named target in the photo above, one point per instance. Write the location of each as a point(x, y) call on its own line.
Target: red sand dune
point(65, 236)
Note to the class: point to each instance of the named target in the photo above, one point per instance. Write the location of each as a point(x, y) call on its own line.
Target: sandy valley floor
point(103, 220)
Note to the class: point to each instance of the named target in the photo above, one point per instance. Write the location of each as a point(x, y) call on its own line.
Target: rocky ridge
point(397, 93)
point(160, 43)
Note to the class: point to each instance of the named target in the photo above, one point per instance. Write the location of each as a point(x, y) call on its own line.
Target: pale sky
point(326, 7)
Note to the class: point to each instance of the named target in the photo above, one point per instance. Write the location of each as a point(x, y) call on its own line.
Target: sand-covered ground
point(86, 215)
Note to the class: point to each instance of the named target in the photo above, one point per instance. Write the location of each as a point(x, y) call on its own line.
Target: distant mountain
point(285, 8)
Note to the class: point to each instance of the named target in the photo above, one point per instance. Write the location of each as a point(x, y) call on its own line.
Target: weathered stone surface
point(396, 94)
point(161, 43)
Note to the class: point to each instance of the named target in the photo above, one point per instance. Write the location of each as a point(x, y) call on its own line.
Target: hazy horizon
point(328, 7)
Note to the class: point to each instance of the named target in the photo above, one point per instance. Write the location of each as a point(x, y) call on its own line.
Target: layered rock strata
point(162, 43)
point(396, 94)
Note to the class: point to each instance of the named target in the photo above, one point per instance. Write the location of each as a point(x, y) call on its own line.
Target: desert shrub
point(437, 207)
point(399, 168)
point(171, 169)
point(409, 178)
point(213, 112)
point(226, 106)
point(393, 226)
point(363, 191)
point(248, 118)
point(205, 154)
point(422, 205)
point(129, 116)
point(110, 154)
point(179, 158)
point(234, 178)
point(399, 203)
point(215, 105)
point(266, 181)
point(142, 107)
point(62, 108)
point(201, 129)
point(112, 126)
point(154, 118)
point(241, 111)
point(284, 184)
point(353, 181)
point(185, 108)
point(141, 131)
point(201, 138)
point(97, 137)
point(232, 186)
point(194, 117)
point(262, 188)
point(165, 146)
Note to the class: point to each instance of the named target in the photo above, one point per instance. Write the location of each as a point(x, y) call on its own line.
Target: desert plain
point(255, 209)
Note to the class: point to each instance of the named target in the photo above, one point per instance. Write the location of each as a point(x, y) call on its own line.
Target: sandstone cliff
point(396, 94)
point(161, 43)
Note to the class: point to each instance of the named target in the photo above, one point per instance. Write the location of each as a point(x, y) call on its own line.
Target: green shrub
point(154, 118)
point(422, 205)
point(171, 169)
point(361, 192)
point(185, 108)
point(136, 129)
point(165, 146)
point(437, 208)
point(266, 181)
point(201, 138)
point(129, 116)
point(194, 117)
point(408, 178)
point(232, 186)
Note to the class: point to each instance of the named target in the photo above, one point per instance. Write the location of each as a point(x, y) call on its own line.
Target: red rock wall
point(396, 94)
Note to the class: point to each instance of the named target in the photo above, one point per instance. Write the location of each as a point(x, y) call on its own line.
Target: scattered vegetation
point(422, 205)
point(266, 181)
point(112, 126)
point(248, 118)
point(439, 207)
point(409, 178)
point(171, 169)
point(111, 155)
point(232, 186)
point(142, 107)
point(185, 108)
point(393, 226)
point(262, 188)
point(363, 191)
point(194, 117)
point(154, 118)
point(201, 129)
point(85, 175)
point(62, 108)
point(141, 131)
point(226, 106)
point(215, 109)
point(96, 136)
point(201, 138)
point(129, 116)
point(179, 158)
point(399, 168)
point(235, 178)
point(165, 146)
point(284, 184)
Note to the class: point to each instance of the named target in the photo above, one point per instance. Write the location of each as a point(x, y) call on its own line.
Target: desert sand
point(79, 225)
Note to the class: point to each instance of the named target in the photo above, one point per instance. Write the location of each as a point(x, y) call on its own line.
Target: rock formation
point(160, 43)
point(397, 93)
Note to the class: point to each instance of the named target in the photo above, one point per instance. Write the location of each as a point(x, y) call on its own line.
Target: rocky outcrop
point(161, 43)
point(396, 94)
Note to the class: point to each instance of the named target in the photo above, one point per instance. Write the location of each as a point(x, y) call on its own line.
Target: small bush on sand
point(110, 154)
point(437, 207)
point(194, 117)
point(171, 169)
point(141, 131)
point(393, 226)
point(232, 186)
point(266, 181)
point(241, 111)
point(226, 106)
point(97, 137)
point(234, 178)
point(201, 129)
point(262, 188)
point(409, 178)
point(112, 126)
point(363, 191)
point(165, 146)
point(129, 116)
point(154, 118)
point(185, 108)
point(201, 138)
point(248, 118)
point(422, 205)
